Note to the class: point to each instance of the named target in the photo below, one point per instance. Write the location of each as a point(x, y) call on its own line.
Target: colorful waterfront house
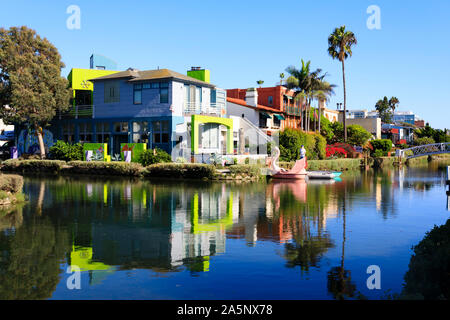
point(279, 98)
point(155, 107)
point(267, 119)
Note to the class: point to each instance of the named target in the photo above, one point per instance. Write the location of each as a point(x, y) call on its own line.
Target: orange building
point(279, 98)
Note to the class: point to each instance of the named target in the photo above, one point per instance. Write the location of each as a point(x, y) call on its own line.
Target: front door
point(118, 139)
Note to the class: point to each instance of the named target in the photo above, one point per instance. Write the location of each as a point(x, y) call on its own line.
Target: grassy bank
point(328, 165)
point(10, 190)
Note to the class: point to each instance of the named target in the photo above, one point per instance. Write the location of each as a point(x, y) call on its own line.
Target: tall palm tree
point(393, 103)
point(260, 82)
point(340, 44)
point(281, 78)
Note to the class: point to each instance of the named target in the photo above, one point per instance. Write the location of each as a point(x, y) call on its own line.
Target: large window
point(112, 92)
point(164, 92)
point(270, 100)
point(209, 136)
point(160, 131)
point(103, 132)
point(85, 132)
point(140, 134)
point(121, 127)
point(137, 94)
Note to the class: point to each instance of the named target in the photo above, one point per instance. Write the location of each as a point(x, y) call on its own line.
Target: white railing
point(76, 112)
point(198, 108)
point(425, 150)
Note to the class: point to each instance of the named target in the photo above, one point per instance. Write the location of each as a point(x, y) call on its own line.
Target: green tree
point(281, 78)
point(260, 82)
point(31, 86)
point(340, 44)
point(384, 110)
point(357, 135)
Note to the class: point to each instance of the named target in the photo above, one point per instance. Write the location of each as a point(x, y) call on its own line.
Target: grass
point(180, 170)
point(328, 165)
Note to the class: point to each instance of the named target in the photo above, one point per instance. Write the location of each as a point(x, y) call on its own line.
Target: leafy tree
point(31, 86)
point(260, 82)
point(423, 141)
point(357, 135)
point(340, 44)
point(384, 110)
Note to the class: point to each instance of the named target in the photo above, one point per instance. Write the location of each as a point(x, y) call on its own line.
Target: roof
point(259, 106)
point(137, 75)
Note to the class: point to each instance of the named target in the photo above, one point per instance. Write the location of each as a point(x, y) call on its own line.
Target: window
point(137, 94)
point(270, 100)
point(146, 85)
point(163, 95)
point(155, 85)
point(103, 132)
point(69, 132)
point(85, 132)
point(160, 131)
point(140, 132)
point(121, 127)
point(209, 136)
point(111, 92)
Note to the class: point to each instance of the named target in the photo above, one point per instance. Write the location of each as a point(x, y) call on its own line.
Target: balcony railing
point(77, 112)
point(197, 108)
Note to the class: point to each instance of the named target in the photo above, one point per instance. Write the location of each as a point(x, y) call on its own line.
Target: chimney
point(251, 97)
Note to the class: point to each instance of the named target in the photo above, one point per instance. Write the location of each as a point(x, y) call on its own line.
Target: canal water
point(135, 239)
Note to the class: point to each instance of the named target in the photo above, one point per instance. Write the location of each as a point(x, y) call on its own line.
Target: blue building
point(155, 107)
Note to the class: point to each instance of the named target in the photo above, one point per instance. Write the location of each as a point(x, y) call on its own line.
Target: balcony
point(214, 109)
point(77, 112)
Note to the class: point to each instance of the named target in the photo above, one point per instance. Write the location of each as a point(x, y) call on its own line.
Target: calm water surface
point(172, 240)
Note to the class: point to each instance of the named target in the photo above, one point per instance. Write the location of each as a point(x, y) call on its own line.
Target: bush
point(424, 141)
point(384, 145)
point(104, 168)
point(11, 183)
point(251, 170)
point(291, 141)
point(357, 135)
point(33, 166)
point(175, 170)
point(148, 157)
point(66, 151)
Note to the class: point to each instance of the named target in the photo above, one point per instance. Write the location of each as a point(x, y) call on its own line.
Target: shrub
point(385, 145)
point(378, 153)
point(11, 183)
point(357, 135)
point(424, 141)
point(149, 157)
point(33, 166)
point(251, 170)
point(104, 168)
point(291, 141)
point(66, 151)
point(176, 170)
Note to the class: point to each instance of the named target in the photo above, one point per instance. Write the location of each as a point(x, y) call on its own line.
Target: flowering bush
point(336, 152)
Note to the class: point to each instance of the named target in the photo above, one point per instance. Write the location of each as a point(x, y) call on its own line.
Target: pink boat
point(297, 172)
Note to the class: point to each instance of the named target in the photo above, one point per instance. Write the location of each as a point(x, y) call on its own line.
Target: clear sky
point(245, 41)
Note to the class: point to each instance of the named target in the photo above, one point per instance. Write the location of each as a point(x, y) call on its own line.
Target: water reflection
point(105, 227)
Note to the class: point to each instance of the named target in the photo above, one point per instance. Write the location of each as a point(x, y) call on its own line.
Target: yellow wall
point(78, 78)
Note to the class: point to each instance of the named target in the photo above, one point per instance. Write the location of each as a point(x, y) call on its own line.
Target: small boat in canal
point(323, 174)
point(297, 172)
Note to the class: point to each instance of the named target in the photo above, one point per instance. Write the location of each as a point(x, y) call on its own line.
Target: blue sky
point(245, 41)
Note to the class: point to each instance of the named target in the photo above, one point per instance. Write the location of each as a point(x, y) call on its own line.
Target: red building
point(279, 98)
